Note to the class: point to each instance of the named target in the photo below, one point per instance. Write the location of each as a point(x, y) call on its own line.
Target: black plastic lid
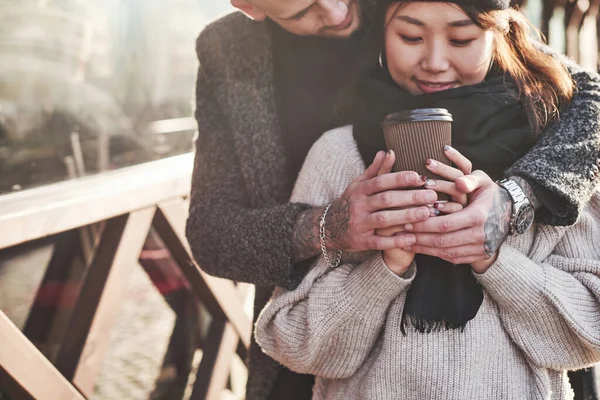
point(418, 114)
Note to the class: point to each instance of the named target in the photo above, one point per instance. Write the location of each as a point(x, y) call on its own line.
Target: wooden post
point(81, 353)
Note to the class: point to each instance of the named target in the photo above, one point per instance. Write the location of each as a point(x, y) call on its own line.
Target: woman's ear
point(248, 9)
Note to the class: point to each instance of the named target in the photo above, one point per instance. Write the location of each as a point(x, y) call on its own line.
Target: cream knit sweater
point(540, 315)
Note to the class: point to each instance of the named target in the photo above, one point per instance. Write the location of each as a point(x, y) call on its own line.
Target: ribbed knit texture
point(418, 141)
point(540, 315)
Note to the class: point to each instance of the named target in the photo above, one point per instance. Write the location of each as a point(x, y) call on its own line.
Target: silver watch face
point(524, 220)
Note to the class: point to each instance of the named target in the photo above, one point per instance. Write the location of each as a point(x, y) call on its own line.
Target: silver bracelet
point(338, 257)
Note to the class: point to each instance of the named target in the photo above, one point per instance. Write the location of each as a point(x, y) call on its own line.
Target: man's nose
point(435, 60)
point(333, 12)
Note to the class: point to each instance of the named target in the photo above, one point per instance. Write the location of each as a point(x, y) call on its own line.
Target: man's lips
point(430, 87)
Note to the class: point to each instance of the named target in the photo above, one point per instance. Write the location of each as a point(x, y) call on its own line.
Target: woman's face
point(432, 46)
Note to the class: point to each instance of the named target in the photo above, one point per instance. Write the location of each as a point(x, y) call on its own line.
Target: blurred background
point(96, 122)
point(114, 77)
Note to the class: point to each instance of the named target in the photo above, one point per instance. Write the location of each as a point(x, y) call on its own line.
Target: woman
point(539, 313)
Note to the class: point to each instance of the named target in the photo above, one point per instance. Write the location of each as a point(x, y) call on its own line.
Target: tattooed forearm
point(528, 190)
point(337, 221)
point(497, 224)
point(305, 240)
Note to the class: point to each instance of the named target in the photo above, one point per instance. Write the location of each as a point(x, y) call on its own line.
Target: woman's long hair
point(544, 84)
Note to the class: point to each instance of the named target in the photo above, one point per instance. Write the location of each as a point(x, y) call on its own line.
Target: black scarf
point(491, 129)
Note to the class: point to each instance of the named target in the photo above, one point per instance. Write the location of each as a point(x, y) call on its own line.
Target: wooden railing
point(115, 211)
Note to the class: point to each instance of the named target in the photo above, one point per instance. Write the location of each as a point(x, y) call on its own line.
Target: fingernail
point(423, 178)
point(408, 227)
point(447, 148)
point(429, 183)
point(431, 163)
point(412, 178)
point(431, 197)
point(390, 152)
point(439, 205)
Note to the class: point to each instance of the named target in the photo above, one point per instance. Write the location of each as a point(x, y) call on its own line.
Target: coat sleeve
point(562, 167)
point(330, 323)
point(228, 237)
point(551, 309)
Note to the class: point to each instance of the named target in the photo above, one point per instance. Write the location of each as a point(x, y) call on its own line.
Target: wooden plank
point(81, 353)
point(44, 211)
point(29, 368)
point(43, 314)
point(10, 387)
point(218, 295)
point(215, 365)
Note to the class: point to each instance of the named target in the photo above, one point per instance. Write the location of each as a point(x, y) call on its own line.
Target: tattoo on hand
point(338, 220)
point(305, 239)
point(497, 224)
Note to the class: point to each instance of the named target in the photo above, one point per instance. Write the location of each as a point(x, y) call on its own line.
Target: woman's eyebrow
point(410, 20)
point(454, 24)
point(462, 22)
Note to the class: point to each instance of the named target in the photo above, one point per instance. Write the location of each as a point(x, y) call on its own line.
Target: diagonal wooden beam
point(81, 353)
point(219, 295)
point(26, 366)
point(43, 323)
point(215, 365)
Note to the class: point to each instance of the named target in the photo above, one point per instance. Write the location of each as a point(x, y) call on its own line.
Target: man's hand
point(372, 201)
point(473, 234)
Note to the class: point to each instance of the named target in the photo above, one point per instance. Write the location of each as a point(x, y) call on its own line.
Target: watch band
point(519, 200)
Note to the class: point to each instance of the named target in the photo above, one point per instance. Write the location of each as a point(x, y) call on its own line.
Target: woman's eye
point(461, 43)
point(411, 39)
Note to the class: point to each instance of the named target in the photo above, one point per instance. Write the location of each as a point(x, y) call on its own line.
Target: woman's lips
point(431, 87)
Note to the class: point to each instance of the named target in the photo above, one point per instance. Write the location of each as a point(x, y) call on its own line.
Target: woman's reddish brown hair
point(544, 84)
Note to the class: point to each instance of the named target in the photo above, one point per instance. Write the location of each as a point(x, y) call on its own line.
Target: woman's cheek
point(474, 66)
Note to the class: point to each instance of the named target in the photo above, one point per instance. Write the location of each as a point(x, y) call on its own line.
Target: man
point(266, 91)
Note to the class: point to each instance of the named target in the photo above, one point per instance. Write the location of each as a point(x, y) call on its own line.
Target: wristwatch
point(523, 212)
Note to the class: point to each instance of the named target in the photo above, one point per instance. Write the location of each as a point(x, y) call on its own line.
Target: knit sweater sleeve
point(229, 237)
point(330, 323)
point(562, 167)
point(551, 308)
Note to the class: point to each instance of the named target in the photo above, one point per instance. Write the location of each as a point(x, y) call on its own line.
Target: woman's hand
point(471, 235)
point(397, 259)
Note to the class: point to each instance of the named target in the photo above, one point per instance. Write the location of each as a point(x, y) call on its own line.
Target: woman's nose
point(435, 59)
point(333, 12)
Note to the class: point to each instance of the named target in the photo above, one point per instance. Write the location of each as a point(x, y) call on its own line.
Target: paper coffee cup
point(417, 135)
